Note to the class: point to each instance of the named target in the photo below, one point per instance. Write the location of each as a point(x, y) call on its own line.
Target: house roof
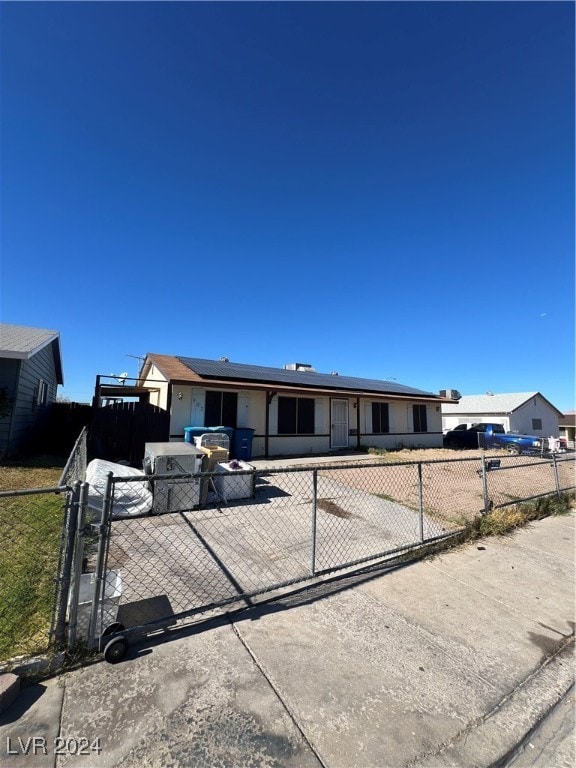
point(567, 419)
point(502, 403)
point(20, 342)
point(200, 370)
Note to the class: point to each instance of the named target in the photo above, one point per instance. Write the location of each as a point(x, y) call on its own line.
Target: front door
point(339, 423)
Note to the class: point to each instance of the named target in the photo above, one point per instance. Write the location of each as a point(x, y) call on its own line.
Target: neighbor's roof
point(190, 369)
point(20, 342)
point(503, 403)
point(567, 419)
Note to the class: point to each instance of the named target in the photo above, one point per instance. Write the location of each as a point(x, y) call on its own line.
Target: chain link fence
point(148, 550)
point(31, 525)
point(176, 545)
point(75, 468)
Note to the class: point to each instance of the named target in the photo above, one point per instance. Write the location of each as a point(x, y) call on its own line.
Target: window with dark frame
point(420, 422)
point(537, 424)
point(221, 409)
point(295, 416)
point(42, 393)
point(380, 420)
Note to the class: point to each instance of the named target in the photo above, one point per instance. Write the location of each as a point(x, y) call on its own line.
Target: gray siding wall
point(25, 411)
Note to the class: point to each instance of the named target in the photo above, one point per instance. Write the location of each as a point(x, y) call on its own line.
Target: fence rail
point(156, 550)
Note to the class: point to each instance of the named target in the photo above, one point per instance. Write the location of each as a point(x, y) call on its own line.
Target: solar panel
point(217, 369)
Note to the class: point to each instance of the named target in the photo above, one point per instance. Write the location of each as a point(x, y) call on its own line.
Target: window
point(419, 414)
point(295, 416)
point(42, 393)
point(380, 422)
point(537, 424)
point(221, 409)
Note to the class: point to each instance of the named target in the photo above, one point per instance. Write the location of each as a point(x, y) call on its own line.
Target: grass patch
point(506, 519)
point(30, 532)
point(39, 472)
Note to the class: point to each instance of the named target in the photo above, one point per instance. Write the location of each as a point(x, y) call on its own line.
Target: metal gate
point(259, 532)
point(255, 532)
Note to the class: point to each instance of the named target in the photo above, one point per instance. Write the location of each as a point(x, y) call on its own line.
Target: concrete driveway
point(450, 661)
point(179, 562)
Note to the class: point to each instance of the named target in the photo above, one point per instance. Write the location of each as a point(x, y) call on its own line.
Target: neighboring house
point(567, 427)
point(30, 372)
point(293, 410)
point(528, 413)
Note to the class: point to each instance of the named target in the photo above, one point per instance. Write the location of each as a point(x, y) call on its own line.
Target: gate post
point(64, 577)
point(99, 575)
point(77, 563)
point(420, 504)
point(485, 486)
point(314, 501)
point(556, 478)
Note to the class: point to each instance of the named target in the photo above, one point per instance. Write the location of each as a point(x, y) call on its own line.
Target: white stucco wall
point(188, 410)
point(401, 425)
point(156, 380)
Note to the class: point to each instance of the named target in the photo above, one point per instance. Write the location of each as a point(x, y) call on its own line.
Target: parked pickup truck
point(492, 436)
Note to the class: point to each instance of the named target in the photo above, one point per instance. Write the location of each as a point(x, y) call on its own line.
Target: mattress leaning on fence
point(130, 498)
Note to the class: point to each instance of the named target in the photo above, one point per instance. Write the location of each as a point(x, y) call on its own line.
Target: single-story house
point(293, 410)
point(567, 427)
point(30, 372)
point(527, 413)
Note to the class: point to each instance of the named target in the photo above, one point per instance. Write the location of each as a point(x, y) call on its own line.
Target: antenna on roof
point(140, 359)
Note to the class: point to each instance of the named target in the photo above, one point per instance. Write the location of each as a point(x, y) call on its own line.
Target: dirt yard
point(433, 454)
point(452, 481)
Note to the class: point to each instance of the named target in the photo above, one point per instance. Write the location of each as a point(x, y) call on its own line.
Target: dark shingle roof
point(216, 369)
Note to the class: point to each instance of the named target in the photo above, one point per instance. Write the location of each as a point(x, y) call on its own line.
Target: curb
point(494, 740)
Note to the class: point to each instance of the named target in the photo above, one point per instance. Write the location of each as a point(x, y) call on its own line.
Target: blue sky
point(384, 189)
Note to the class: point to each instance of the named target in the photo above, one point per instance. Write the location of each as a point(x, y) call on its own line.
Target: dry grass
point(431, 454)
point(40, 472)
point(507, 519)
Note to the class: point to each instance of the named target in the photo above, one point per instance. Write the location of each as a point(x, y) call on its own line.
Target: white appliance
point(230, 486)
point(174, 459)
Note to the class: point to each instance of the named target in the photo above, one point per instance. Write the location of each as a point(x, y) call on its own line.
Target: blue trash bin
point(242, 444)
point(191, 432)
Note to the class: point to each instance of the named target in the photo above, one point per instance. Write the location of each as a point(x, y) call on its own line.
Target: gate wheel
point(116, 649)
point(113, 628)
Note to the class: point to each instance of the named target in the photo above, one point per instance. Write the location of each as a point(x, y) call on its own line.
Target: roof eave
point(275, 387)
point(54, 340)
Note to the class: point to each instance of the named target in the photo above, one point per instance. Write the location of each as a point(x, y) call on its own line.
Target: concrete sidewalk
point(452, 661)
